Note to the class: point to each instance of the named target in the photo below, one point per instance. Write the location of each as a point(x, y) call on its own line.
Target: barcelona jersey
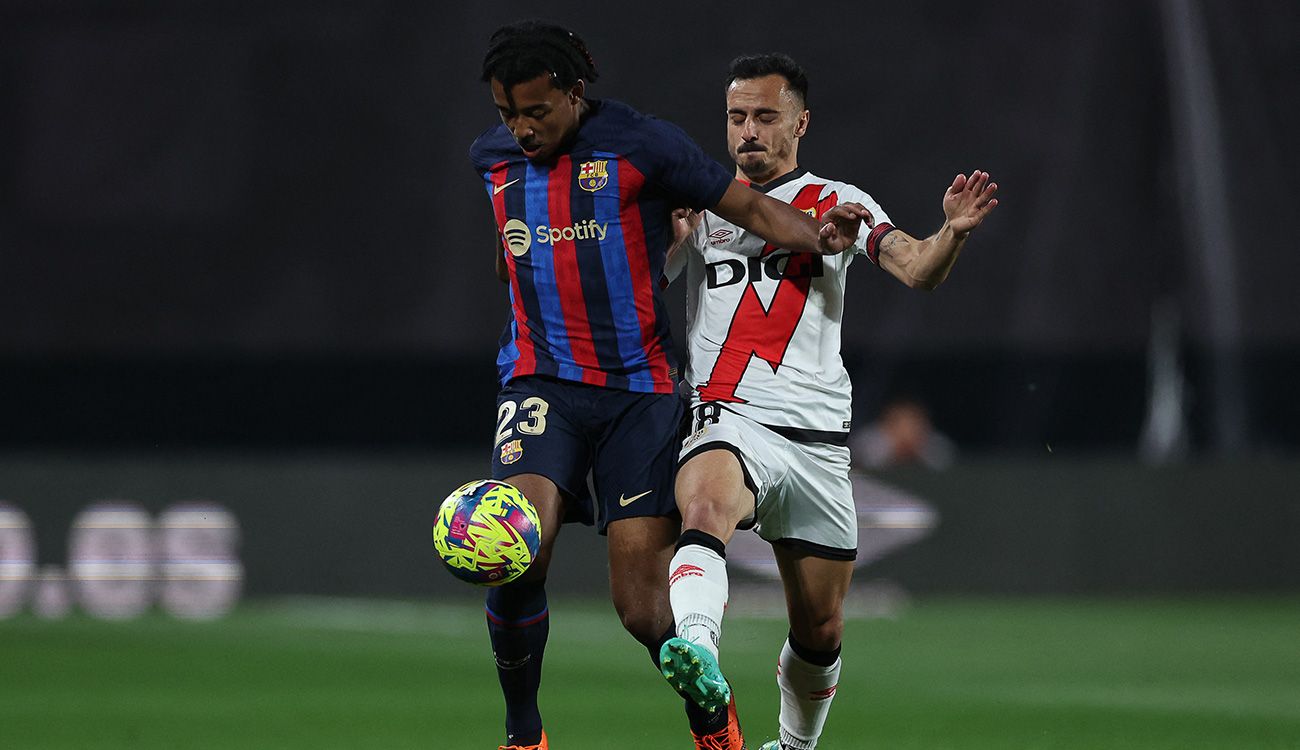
point(585, 238)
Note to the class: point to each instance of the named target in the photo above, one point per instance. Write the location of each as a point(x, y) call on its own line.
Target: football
point(487, 533)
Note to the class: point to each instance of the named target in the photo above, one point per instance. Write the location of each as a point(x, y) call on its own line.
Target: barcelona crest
point(511, 451)
point(593, 175)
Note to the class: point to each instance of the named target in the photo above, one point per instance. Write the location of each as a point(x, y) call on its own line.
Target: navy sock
point(518, 622)
point(701, 721)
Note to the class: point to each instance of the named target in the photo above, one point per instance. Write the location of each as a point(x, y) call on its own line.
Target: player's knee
point(708, 510)
point(822, 631)
point(711, 483)
point(704, 516)
point(540, 565)
point(642, 608)
point(536, 572)
point(643, 623)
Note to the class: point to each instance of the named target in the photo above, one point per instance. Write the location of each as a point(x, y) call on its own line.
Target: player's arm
point(789, 228)
point(684, 223)
point(925, 264)
point(503, 272)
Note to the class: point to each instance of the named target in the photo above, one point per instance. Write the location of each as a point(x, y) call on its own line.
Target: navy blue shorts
point(625, 443)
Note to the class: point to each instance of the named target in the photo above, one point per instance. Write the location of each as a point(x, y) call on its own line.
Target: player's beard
point(753, 160)
point(758, 165)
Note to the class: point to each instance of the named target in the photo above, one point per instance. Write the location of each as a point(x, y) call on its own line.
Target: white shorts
point(804, 497)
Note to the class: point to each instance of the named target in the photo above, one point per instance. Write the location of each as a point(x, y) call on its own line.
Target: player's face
point(541, 117)
point(765, 121)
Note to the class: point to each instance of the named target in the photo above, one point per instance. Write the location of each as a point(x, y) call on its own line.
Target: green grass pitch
point(1006, 674)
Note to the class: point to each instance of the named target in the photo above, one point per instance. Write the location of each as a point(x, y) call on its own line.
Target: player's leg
point(641, 599)
point(713, 498)
point(815, 541)
point(545, 462)
point(713, 495)
point(518, 619)
point(635, 471)
point(639, 551)
point(716, 492)
point(808, 515)
point(808, 671)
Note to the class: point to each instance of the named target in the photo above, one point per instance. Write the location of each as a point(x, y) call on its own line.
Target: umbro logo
point(720, 237)
point(685, 570)
point(496, 189)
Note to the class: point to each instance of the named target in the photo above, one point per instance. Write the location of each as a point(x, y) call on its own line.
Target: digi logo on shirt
point(776, 266)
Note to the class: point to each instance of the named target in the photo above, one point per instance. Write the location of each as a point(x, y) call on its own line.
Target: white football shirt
point(764, 323)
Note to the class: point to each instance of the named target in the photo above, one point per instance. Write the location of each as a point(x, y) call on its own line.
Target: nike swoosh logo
point(498, 188)
point(623, 502)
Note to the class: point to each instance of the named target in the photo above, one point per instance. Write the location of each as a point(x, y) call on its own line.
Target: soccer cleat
point(727, 738)
point(694, 672)
point(539, 746)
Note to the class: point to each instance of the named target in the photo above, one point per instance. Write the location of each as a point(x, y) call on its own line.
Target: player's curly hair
point(525, 50)
point(745, 67)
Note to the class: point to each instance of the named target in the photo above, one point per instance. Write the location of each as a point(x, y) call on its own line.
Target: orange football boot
point(728, 738)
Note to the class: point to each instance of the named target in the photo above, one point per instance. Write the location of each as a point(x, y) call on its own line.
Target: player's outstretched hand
point(969, 200)
point(840, 228)
point(684, 223)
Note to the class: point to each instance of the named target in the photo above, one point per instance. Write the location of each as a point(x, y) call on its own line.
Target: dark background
point(254, 224)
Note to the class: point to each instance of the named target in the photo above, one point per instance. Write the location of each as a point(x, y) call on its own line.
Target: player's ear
point(801, 127)
point(578, 89)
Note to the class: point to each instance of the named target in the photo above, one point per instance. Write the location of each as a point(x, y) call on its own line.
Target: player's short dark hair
point(746, 67)
point(525, 50)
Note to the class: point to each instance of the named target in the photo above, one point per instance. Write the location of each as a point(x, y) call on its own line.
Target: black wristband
point(873, 240)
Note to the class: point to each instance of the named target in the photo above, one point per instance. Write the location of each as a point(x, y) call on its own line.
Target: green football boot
point(692, 670)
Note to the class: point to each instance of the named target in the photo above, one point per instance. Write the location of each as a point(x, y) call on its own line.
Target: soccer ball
point(487, 533)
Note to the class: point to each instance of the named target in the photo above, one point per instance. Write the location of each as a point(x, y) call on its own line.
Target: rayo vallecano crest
point(593, 176)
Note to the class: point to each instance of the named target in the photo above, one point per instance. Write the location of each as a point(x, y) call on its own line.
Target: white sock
point(806, 694)
point(697, 590)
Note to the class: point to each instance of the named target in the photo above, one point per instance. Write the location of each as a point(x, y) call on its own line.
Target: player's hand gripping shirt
point(585, 238)
point(765, 322)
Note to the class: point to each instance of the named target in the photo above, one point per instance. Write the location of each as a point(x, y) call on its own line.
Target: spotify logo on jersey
point(518, 237)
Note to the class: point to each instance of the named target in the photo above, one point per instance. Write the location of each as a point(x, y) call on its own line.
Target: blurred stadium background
point(248, 319)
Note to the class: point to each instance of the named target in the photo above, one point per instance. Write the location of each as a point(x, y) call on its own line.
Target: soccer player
point(771, 399)
point(583, 191)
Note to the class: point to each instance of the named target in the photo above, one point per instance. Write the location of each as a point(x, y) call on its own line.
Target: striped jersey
point(764, 323)
point(585, 237)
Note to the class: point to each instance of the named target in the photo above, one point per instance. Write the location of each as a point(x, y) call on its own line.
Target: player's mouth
point(746, 148)
point(530, 148)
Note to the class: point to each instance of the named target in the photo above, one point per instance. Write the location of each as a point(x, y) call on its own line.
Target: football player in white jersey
point(770, 399)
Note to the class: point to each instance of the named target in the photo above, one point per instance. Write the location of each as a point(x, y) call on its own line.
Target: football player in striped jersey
point(583, 191)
